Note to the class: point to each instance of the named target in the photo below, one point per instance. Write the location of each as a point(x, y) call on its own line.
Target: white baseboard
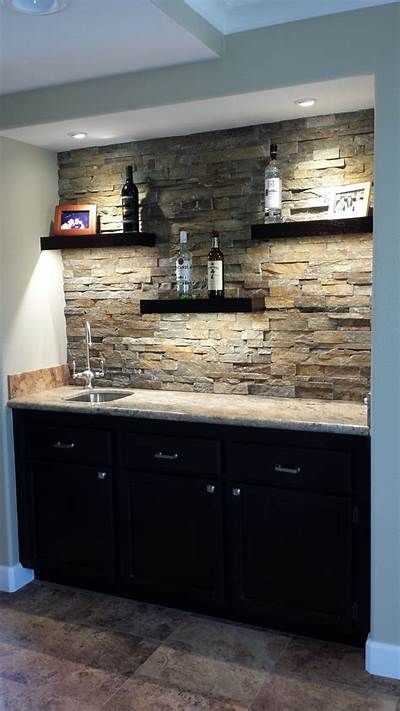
point(383, 659)
point(14, 577)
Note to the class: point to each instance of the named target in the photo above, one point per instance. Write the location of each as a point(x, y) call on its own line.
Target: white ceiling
point(339, 95)
point(92, 38)
point(230, 16)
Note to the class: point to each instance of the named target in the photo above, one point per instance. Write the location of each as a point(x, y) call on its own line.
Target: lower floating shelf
point(202, 306)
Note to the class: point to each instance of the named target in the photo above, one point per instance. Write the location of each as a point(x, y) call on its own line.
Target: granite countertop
point(246, 410)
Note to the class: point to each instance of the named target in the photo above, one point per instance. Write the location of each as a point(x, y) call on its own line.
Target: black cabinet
point(171, 535)
point(292, 557)
point(265, 526)
point(73, 519)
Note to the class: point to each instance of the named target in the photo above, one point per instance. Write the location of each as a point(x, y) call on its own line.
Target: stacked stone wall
point(313, 340)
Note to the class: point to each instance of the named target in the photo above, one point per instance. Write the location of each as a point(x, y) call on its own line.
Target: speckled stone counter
point(244, 410)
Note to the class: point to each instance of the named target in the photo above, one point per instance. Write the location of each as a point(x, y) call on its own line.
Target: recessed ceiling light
point(36, 7)
point(304, 103)
point(78, 135)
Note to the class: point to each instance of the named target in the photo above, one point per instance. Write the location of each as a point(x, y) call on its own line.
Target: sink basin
point(96, 396)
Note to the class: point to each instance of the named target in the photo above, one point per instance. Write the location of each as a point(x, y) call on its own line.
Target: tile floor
point(63, 649)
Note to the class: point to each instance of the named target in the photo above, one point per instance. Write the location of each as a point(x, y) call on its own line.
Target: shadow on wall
point(153, 218)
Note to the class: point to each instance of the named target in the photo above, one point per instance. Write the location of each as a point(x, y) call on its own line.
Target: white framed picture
point(349, 201)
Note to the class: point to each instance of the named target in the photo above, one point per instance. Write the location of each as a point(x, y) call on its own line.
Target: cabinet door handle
point(210, 488)
point(287, 470)
point(101, 475)
point(236, 492)
point(161, 455)
point(63, 445)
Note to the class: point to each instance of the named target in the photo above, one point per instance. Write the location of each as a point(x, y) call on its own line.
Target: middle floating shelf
point(202, 306)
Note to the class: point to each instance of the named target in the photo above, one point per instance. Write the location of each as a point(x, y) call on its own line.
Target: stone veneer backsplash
point(313, 340)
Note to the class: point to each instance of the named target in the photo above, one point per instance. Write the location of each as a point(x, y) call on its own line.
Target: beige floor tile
point(98, 648)
point(336, 663)
point(248, 646)
point(285, 693)
point(214, 658)
point(142, 695)
point(48, 600)
point(50, 675)
point(94, 610)
point(131, 617)
point(21, 697)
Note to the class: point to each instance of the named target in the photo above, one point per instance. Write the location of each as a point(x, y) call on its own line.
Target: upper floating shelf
point(202, 306)
point(312, 228)
point(102, 239)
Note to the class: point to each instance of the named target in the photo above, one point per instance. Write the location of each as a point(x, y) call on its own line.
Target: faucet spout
point(88, 334)
point(88, 375)
point(88, 341)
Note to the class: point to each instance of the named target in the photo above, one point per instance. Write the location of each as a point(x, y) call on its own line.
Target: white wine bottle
point(215, 269)
point(273, 188)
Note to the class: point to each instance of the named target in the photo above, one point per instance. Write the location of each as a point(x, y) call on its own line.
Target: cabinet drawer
point(161, 453)
point(68, 444)
point(292, 467)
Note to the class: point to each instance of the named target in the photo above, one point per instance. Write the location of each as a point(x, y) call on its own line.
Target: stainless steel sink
point(97, 396)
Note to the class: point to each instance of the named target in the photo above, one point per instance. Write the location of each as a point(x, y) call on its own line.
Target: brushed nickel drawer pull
point(102, 475)
point(161, 455)
point(235, 492)
point(210, 488)
point(287, 470)
point(62, 445)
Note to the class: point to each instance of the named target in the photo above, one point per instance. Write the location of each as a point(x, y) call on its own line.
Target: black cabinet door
point(292, 556)
point(72, 519)
point(171, 535)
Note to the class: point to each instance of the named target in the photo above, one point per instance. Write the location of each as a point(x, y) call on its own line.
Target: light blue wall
point(348, 44)
point(386, 344)
point(32, 325)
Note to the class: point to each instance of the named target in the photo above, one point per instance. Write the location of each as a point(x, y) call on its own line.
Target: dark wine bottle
point(130, 203)
point(215, 269)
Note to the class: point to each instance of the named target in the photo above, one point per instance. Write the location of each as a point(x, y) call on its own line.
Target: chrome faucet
point(88, 375)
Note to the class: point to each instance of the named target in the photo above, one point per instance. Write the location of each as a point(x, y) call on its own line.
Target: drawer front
point(162, 453)
point(68, 444)
point(291, 467)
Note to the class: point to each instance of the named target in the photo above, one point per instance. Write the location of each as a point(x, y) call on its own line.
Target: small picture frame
point(72, 220)
point(349, 201)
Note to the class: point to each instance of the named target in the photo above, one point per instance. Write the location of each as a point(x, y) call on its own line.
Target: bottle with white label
point(215, 269)
point(273, 188)
point(184, 268)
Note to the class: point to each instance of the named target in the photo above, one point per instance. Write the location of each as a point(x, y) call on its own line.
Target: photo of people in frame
point(349, 201)
point(72, 219)
point(78, 220)
point(346, 203)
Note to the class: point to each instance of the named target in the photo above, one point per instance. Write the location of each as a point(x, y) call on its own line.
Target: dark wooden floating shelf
point(312, 228)
point(102, 239)
point(202, 306)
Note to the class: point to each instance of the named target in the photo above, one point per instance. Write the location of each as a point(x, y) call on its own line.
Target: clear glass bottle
point(184, 268)
point(215, 269)
point(273, 188)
